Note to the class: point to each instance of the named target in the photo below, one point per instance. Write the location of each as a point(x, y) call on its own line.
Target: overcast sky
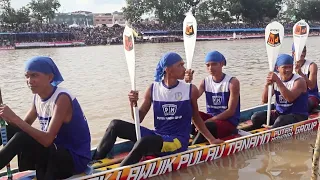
point(96, 6)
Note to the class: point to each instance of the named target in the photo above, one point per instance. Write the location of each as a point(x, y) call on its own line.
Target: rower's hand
point(272, 78)
point(133, 98)
point(7, 114)
point(297, 68)
point(188, 76)
point(216, 141)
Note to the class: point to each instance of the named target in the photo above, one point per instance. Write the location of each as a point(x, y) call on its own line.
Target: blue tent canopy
point(36, 33)
point(220, 30)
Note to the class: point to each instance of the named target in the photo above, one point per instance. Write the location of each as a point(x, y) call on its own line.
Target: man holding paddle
point(222, 98)
point(174, 105)
point(291, 96)
point(308, 70)
point(62, 147)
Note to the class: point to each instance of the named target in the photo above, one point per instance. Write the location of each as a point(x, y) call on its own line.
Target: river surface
point(99, 77)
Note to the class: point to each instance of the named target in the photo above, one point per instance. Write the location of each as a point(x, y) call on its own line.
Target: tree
point(9, 16)
point(258, 10)
point(5, 4)
point(23, 15)
point(168, 11)
point(171, 11)
point(308, 10)
point(235, 8)
point(134, 10)
point(44, 9)
point(271, 8)
point(202, 13)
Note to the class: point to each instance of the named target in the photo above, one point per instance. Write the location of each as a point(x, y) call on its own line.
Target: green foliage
point(41, 10)
point(308, 10)
point(219, 10)
point(11, 16)
point(23, 15)
point(44, 9)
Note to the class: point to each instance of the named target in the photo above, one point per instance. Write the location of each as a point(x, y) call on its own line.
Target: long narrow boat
point(108, 168)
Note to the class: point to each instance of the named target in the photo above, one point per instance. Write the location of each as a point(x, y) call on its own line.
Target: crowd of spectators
point(106, 35)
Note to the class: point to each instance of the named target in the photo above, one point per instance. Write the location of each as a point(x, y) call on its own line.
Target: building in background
point(77, 18)
point(109, 19)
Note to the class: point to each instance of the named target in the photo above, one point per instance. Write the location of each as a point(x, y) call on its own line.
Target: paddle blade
point(189, 37)
point(300, 36)
point(274, 34)
point(128, 44)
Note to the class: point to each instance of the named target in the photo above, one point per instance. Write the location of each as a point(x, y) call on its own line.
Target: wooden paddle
point(4, 138)
point(128, 43)
point(300, 36)
point(274, 34)
point(189, 37)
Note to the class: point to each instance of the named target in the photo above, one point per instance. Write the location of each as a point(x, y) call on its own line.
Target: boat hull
point(107, 169)
point(200, 154)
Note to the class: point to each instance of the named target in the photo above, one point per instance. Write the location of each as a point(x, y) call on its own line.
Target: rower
point(308, 70)
point(174, 105)
point(222, 98)
point(291, 96)
point(62, 147)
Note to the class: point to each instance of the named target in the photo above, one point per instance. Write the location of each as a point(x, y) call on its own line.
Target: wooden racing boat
point(108, 168)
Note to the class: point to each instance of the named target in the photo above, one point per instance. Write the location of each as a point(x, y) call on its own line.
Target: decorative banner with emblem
point(300, 36)
point(274, 34)
point(189, 37)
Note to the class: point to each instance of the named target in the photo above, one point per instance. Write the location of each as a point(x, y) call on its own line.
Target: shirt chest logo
point(216, 100)
point(282, 100)
point(169, 109)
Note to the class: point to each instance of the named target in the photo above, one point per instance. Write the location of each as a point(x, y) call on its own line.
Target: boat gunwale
point(200, 148)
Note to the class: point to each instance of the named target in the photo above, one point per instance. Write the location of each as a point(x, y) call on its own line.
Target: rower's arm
point(265, 94)
point(62, 111)
point(312, 80)
point(197, 121)
point(145, 106)
point(201, 88)
point(233, 101)
point(299, 86)
point(31, 115)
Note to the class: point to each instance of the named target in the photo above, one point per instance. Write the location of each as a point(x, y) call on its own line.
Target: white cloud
point(97, 6)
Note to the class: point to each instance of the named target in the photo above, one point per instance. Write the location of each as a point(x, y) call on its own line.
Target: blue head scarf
point(215, 56)
point(167, 60)
point(44, 65)
point(283, 59)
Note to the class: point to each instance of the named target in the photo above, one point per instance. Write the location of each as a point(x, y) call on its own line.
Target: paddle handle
point(137, 122)
point(269, 104)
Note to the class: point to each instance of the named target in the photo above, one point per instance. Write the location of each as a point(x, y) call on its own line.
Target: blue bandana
point(44, 65)
point(167, 60)
point(284, 59)
point(215, 56)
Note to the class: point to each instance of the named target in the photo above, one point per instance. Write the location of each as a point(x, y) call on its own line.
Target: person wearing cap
point(222, 98)
point(308, 70)
point(290, 90)
point(174, 105)
point(61, 148)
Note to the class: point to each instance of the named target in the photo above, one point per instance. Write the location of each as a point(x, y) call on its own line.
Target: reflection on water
point(98, 76)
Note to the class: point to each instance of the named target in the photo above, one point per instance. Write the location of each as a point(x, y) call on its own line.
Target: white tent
point(73, 25)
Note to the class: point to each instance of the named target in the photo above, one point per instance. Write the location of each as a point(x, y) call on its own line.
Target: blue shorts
point(171, 144)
